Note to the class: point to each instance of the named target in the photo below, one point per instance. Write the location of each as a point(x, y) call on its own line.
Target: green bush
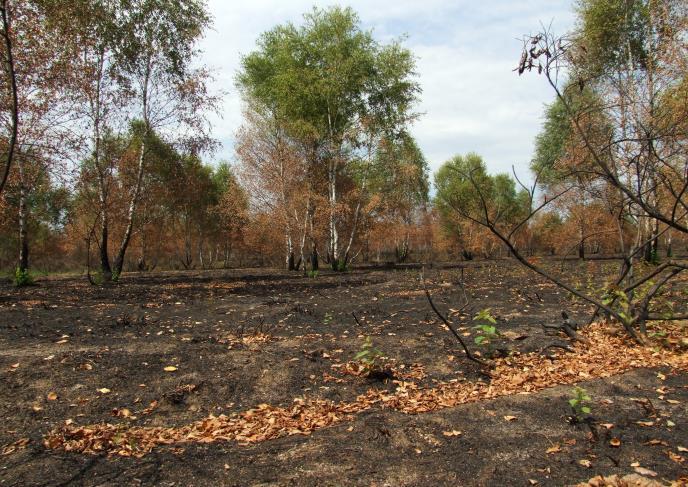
point(22, 277)
point(487, 331)
point(369, 356)
point(580, 403)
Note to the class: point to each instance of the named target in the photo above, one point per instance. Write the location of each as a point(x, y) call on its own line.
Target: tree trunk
point(333, 250)
point(12, 82)
point(119, 261)
point(103, 175)
point(581, 243)
point(302, 246)
point(314, 247)
point(289, 247)
point(23, 215)
point(105, 268)
point(314, 259)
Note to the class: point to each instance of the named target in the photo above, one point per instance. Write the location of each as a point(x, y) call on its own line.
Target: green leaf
point(585, 409)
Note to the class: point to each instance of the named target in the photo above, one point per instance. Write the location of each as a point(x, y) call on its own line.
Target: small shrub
point(96, 278)
point(312, 274)
point(619, 299)
point(487, 331)
point(580, 403)
point(22, 277)
point(369, 356)
point(328, 318)
point(342, 267)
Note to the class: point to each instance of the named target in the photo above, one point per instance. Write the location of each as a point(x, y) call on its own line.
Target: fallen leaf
point(553, 449)
point(104, 390)
point(657, 442)
point(533, 482)
point(585, 463)
point(682, 449)
point(170, 368)
point(121, 413)
point(645, 471)
point(52, 396)
point(451, 433)
point(14, 447)
point(615, 442)
point(676, 458)
point(15, 366)
point(510, 418)
point(607, 425)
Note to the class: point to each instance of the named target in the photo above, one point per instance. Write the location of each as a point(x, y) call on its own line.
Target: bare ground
point(68, 338)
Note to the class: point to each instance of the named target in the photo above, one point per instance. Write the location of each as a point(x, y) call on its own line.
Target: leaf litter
point(608, 354)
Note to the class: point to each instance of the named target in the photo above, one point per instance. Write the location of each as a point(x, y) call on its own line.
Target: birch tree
point(333, 82)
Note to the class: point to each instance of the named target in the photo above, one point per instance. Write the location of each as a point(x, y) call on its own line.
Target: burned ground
point(73, 354)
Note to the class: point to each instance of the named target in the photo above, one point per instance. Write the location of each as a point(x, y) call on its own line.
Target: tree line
point(106, 138)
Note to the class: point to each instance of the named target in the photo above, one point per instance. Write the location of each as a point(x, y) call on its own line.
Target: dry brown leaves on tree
point(608, 354)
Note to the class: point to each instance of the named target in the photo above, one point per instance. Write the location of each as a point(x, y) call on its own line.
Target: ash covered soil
point(71, 353)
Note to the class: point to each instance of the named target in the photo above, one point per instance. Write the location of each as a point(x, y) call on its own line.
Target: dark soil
point(72, 339)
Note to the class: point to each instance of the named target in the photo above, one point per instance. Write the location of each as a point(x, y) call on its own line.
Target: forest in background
point(107, 142)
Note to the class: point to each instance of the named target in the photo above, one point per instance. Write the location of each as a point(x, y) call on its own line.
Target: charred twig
point(570, 328)
point(356, 318)
point(451, 327)
point(562, 346)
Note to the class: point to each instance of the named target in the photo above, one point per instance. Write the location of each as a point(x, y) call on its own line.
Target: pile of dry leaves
point(247, 340)
point(609, 353)
point(627, 481)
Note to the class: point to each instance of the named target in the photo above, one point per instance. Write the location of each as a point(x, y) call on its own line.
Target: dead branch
point(569, 327)
point(450, 326)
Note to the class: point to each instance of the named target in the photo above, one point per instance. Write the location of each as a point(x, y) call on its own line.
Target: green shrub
point(369, 356)
point(22, 277)
point(580, 403)
point(487, 331)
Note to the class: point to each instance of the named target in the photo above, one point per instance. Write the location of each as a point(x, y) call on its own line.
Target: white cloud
point(472, 100)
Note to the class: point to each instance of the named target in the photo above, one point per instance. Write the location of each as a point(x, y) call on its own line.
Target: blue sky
point(466, 51)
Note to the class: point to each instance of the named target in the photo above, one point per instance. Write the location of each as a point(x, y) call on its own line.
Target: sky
point(466, 51)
